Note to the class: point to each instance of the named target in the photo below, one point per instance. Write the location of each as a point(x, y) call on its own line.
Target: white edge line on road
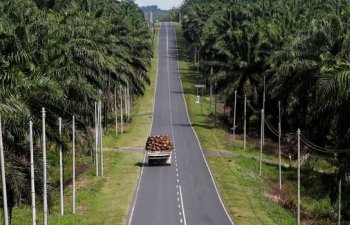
point(182, 206)
point(205, 160)
point(149, 133)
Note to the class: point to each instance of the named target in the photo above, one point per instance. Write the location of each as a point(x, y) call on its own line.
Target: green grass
point(136, 134)
point(107, 201)
point(246, 200)
point(102, 200)
point(252, 199)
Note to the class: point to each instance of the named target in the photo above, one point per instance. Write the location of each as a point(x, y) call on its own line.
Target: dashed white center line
point(178, 187)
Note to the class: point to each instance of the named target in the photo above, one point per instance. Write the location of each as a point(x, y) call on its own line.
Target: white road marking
point(172, 128)
point(182, 206)
point(188, 117)
point(149, 133)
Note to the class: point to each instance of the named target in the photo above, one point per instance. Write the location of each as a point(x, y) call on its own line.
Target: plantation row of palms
point(63, 55)
point(301, 49)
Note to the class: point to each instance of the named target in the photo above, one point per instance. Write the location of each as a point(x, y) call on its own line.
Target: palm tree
point(58, 55)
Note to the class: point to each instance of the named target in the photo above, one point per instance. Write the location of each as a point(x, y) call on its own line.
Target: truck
point(159, 149)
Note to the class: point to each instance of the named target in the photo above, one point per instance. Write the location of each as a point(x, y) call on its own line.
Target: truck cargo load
point(158, 149)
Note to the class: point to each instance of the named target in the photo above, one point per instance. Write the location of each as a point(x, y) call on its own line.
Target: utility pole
point(44, 167)
point(126, 104)
point(279, 143)
point(32, 180)
point(129, 101)
point(234, 120)
point(245, 123)
point(115, 112)
point(264, 98)
point(215, 108)
point(211, 88)
point(73, 171)
point(3, 178)
point(198, 61)
point(96, 136)
point(121, 111)
point(298, 176)
point(100, 133)
point(261, 139)
point(61, 165)
point(195, 56)
point(151, 19)
point(339, 203)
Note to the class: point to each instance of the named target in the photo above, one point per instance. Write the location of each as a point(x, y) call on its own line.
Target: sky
point(163, 4)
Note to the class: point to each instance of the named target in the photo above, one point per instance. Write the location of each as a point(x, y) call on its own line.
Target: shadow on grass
point(193, 125)
point(141, 164)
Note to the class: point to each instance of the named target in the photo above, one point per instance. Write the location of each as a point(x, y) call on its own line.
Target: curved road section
point(183, 193)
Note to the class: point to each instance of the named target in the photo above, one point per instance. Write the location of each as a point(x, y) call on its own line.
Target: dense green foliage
point(172, 15)
point(157, 12)
point(302, 50)
point(58, 54)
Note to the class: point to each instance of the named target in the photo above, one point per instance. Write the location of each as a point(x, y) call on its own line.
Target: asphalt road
point(183, 193)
